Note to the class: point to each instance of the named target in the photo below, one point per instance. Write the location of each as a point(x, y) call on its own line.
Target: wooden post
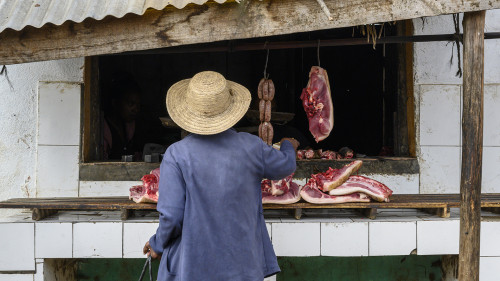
point(472, 146)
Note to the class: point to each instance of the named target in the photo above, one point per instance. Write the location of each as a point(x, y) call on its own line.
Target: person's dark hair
point(121, 84)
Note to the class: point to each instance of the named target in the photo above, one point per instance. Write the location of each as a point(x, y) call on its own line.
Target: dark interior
point(358, 76)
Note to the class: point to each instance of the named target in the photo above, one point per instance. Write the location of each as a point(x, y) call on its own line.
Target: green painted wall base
point(392, 268)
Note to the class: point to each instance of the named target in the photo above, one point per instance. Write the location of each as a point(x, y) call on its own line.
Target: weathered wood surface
point(398, 201)
point(472, 145)
point(211, 22)
point(91, 136)
point(133, 171)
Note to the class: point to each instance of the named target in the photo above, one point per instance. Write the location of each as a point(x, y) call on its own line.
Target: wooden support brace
point(441, 212)
point(370, 213)
point(39, 214)
point(127, 213)
point(298, 213)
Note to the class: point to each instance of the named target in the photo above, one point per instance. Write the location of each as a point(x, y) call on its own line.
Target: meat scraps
point(335, 177)
point(283, 191)
point(372, 188)
point(148, 191)
point(321, 154)
point(317, 102)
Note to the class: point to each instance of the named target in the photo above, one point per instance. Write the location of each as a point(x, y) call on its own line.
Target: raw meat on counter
point(340, 186)
point(283, 191)
point(322, 154)
point(335, 177)
point(313, 195)
point(317, 101)
point(148, 191)
point(372, 188)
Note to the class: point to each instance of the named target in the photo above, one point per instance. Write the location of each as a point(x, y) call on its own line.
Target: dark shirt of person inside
point(121, 131)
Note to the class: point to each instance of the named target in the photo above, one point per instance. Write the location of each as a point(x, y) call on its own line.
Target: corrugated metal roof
point(17, 14)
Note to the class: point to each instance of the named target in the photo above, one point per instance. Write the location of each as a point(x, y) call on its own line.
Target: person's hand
point(295, 143)
point(150, 252)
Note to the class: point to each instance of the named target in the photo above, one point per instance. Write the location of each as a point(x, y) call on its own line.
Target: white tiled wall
point(440, 115)
point(54, 240)
point(392, 238)
point(135, 235)
point(344, 239)
point(17, 247)
point(16, 277)
point(490, 242)
point(101, 240)
point(106, 188)
point(57, 171)
point(58, 139)
point(489, 268)
point(438, 237)
point(439, 169)
point(59, 113)
point(491, 126)
point(296, 239)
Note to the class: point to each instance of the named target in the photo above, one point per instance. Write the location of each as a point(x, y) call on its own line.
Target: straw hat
point(207, 104)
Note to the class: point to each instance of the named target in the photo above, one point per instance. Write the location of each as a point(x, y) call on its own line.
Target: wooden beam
point(91, 112)
point(209, 23)
point(410, 95)
point(472, 146)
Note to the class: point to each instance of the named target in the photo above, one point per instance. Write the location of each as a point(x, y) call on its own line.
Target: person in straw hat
point(211, 223)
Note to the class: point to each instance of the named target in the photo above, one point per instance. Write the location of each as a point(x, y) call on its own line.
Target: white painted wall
point(18, 122)
point(438, 96)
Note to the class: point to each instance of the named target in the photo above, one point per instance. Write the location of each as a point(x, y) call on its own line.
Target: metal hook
point(319, 62)
point(267, 59)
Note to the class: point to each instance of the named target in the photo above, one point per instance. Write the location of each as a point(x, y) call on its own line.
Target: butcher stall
point(393, 103)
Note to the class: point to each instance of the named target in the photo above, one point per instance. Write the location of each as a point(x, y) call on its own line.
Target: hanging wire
point(319, 62)
point(4, 72)
point(266, 75)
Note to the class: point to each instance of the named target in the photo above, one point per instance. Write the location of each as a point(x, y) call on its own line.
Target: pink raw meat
point(148, 191)
point(317, 102)
point(312, 194)
point(372, 188)
point(335, 177)
point(289, 192)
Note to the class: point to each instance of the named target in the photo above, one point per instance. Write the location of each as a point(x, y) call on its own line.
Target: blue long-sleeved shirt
point(210, 204)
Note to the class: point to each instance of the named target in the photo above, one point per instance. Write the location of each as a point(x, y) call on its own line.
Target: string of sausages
point(266, 94)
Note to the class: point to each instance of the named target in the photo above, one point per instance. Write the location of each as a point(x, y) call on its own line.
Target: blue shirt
point(210, 204)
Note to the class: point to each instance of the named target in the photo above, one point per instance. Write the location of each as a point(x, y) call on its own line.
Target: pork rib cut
point(335, 177)
point(148, 191)
point(312, 194)
point(283, 191)
point(317, 101)
point(372, 188)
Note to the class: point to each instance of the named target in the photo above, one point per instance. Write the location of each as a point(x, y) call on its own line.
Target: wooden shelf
point(438, 204)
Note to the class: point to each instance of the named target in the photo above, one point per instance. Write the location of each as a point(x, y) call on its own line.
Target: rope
point(4, 72)
point(458, 39)
point(148, 262)
point(266, 75)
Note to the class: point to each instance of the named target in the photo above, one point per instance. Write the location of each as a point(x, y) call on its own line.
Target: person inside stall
point(211, 223)
point(121, 130)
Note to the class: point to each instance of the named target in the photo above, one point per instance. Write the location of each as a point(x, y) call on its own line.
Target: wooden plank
point(401, 137)
point(211, 22)
point(472, 145)
point(398, 201)
point(370, 213)
point(115, 171)
point(40, 214)
point(91, 137)
point(133, 171)
point(410, 95)
point(441, 212)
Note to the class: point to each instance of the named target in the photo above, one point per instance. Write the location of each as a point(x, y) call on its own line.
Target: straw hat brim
point(196, 122)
